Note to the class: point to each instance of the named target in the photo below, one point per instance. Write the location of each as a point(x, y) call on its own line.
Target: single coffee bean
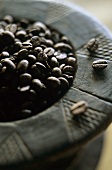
point(25, 79)
point(24, 23)
point(61, 56)
point(79, 108)
point(35, 31)
point(8, 37)
point(27, 45)
point(8, 19)
point(48, 33)
point(38, 50)
point(17, 46)
point(40, 25)
point(62, 66)
point(63, 47)
point(49, 43)
point(41, 67)
point(24, 89)
point(49, 51)
point(37, 85)
point(55, 37)
point(25, 112)
point(36, 72)
point(68, 77)
point(64, 39)
point(71, 61)
point(32, 59)
point(22, 66)
point(92, 45)
point(42, 57)
point(4, 54)
point(21, 35)
point(9, 64)
point(56, 72)
point(12, 28)
point(22, 54)
point(64, 83)
point(68, 70)
point(54, 62)
point(32, 94)
point(99, 64)
point(35, 41)
point(53, 82)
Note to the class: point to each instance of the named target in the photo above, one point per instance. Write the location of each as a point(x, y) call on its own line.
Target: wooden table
point(54, 134)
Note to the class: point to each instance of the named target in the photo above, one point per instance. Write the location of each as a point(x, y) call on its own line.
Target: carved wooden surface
point(54, 130)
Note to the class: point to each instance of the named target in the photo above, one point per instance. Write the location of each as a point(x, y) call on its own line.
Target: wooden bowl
point(53, 134)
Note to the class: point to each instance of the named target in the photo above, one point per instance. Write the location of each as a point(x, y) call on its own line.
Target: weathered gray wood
point(54, 133)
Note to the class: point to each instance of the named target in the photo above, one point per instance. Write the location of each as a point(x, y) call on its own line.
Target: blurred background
point(102, 9)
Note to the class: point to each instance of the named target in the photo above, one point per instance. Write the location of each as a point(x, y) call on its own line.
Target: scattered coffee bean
point(8, 37)
point(68, 70)
point(54, 62)
point(25, 79)
point(9, 64)
point(53, 82)
point(22, 66)
point(56, 72)
point(63, 47)
point(21, 35)
point(35, 41)
point(99, 64)
point(92, 45)
point(79, 108)
point(42, 57)
point(4, 54)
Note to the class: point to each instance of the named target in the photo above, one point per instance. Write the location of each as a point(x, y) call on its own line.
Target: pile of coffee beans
point(37, 66)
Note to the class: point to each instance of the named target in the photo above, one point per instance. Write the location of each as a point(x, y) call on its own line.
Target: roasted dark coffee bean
point(25, 79)
point(9, 64)
point(79, 108)
point(68, 77)
point(55, 37)
point(35, 40)
point(32, 59)
point(49, 51)
point(21, 35)
point(63, 47)
point(31, 94)
point(61, 56)
point(41, 67)
point(49, 43)
point(22, 54)
point(4, 54)
point(36, 72)
point(48, 33)
point(27, 45)
point(24, 23)
point(8, 37)
point(71, 61)
point(53, 82)
point(35, 31)
point(12, 28)
point(8, 19)
point(68, 70)
point(64, 39)
point(99, 64)
point(41, 25)
point(64, 83)
point(37, 85)
point(62, 66)
point(56, 72)
point(54, 62)
point(92, 44)
point(38, 50)
point(17, 46)
point(42, 57)
point(24, 89)
point(22, 66)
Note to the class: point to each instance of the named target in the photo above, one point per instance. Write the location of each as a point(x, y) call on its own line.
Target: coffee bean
point(17, 46)
point(49, 43)
point(79, 108)
point(25, 79)
point(54, 62)
point(40, 25)
point(64, 83)
point(8, 37)
point(99, 64)
point(63, 47)
point(41, 67)
point(4, 54)
point(22, 54)
point(36, 72)
point(24, 23)
point(68, 77)
point(21, 35)
point(35, 31)
point(49, 51)
point(64, 39)
point(68, 70)
point(56, 72)
point(35, 41)
point(37, 85)
point(92, 45)
point(24, 89)
point(53, 82)
point(22, 66)
point(32, 59)
point(55, 37)
point(48, 33)
point(32, 94)
point(71, 61)
point(42, 57)
point(27, 45)
point(25, 112)
point(61, 56)
point(38, 50)
point(12, 28)
point(9, 64)
point(8, 19)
